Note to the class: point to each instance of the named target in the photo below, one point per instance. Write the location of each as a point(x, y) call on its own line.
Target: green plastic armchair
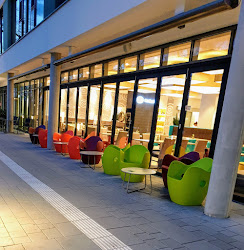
point(136, 156)
point(111, 159)
point(188, 184)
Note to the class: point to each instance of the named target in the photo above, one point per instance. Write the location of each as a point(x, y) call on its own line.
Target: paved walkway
point(48, 202)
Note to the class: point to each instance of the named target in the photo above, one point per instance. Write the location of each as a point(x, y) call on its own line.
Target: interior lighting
point(141, 100)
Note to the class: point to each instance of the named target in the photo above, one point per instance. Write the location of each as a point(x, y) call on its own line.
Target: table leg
point(128, 183)
point(151, 183)
point(123, 180)
point(94, 162)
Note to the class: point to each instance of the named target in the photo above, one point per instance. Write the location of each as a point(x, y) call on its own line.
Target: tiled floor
point(140, 221)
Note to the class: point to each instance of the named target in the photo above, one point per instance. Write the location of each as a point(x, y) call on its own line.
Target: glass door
point(82, 107)
point(72, 109)
point(63, 110)
point(201, 111)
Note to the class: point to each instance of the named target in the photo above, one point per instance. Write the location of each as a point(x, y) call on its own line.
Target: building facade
point(73, 65)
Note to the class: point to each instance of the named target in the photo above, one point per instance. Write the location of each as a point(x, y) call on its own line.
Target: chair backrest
point(167, 143)
point(74, 142)
point(69, 132)
point(56, 137)
point(193, 156)
point(135, 153)
point(145, 136)
point(91, 143)
point(200, 147)
point(31, 130)
point(184, 143)
point(123, 142)
point(100, 146)
point(66, 137)
point(136, 135)
point(120, 135)
point(42, 136)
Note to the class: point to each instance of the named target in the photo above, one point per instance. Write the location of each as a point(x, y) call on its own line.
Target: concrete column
point(54, 91)
point(230, 135)
point(10, 104)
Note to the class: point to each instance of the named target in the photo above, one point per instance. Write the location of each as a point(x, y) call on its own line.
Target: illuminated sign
point(141, 100)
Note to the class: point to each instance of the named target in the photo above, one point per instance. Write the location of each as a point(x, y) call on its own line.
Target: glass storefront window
point(213, 46)
point(144, 105)
point(84, 73)
point(46, 108)
point(96, 71)
point(123, 119)
point(38, 102)
point(177, 54)
point(72, 109)
point(93, 109)
point(16, 100)
point(111, 68)
point(201, 111)
point(47, 81)
point(73, 75)
point(128, 64)
point(63, 107)
point(64, 77)
point(81, 121)
point(150, 60)
point(107, 111)
point(26, 100)
point(32, 102)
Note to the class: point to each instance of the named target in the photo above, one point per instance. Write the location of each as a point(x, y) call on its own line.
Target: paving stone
point(238, 244)
point(20, 240)
point(155, 244)
point(237, 229)
point(201, 245)
point(31, 228)
point(221, 244)
point(45, 226)
point(5, 241)
point(43, 245)
point(52, 233)
point(67, 229)
point(37, 236)
point(14, 247)
point(172, 243)
point(19, 233)
point(77, 242)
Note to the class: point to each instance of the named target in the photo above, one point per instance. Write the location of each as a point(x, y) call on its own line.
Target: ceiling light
point(214, 72)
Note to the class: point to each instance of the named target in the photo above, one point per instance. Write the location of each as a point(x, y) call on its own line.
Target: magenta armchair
point(187, 159)
point(94, 143)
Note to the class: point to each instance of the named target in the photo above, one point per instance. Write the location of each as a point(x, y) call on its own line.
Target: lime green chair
point(136, 156)
point(188, 184)
point(111, 159)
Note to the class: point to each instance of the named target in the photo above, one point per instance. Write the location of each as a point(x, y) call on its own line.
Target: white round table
point(138, 171)
point(91, 153)
point(61, 143)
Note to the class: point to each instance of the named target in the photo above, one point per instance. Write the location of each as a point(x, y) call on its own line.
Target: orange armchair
point(57, 138)
point(74, 147)
point(42, 136)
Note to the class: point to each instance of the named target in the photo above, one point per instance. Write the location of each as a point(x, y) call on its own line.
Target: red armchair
point(74, 147)
point(57, 138)
point(188, 159)
point(42, 136)
point(69, 132)
point(94, 143)
point(65, 138)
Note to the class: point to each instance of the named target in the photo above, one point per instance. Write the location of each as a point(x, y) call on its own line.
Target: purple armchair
point(187, 159)
point(94, 143)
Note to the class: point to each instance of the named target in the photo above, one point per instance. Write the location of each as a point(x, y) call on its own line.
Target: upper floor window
point(1, 31)
point(28, 13)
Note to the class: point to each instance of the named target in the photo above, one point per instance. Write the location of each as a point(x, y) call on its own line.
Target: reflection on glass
point(126, 90)
point(150, 60)
point(144, 111)
point(39, 11)
point(212, 46)
point(47, 81)
point(64, 77)
point(96, 71)
point(177, 54)
point(72, 108)
point(63, 106)
point(84, 73)
point(111, 68)
point(82, 111)
point(16, 100)
point(201, 110)
point(128, 64)
point(107, 111)
point(26, 99)
point(93, 108)
point(73, 75)
point(46, 108)
point(32, 103)
point(39, 101)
